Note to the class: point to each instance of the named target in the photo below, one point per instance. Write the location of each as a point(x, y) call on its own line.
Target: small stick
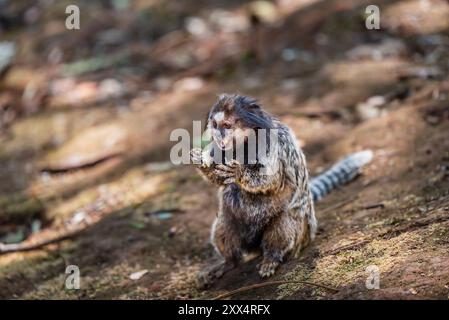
point(270, 283)
point(350, 246)
point(338, 205)
point(373, 206)
point(63, 234)
point(169, 210)
point(26, 246)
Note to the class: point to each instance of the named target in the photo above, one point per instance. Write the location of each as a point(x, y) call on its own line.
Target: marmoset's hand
point(229, 172)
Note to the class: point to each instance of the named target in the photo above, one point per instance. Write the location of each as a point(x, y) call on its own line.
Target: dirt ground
point(86, 115)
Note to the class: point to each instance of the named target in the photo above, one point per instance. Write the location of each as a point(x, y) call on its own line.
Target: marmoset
point(265, 205)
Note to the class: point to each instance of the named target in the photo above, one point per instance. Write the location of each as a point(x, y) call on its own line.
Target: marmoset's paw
point(201, 157)
point(196, 155)
point(268, 268)
point(233, 164)
point(207, 277)
point(225, 173)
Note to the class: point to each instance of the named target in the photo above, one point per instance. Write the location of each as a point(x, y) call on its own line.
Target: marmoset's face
point(226, 129)
point(221, 129)
point(233, 120)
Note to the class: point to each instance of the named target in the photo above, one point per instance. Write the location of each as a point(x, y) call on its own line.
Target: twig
point(57, 235)
point(372, 206)
point(270, 283)
point(23, 246)
point(338, 205)
point(347, 247)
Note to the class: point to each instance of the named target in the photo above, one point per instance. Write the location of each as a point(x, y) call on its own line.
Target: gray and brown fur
point(272, 214)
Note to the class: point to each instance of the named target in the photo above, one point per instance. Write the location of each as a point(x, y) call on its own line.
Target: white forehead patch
point(219, 116)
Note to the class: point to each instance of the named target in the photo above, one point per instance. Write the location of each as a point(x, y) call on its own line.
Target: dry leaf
point(139, 274)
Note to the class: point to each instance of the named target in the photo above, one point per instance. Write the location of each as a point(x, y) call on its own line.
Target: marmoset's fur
point(271, 213)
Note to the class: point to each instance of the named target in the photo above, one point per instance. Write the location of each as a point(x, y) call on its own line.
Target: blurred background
point(85, 118)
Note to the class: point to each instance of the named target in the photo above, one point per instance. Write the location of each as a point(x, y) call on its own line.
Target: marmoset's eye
point(227, 125)
point(214, 124)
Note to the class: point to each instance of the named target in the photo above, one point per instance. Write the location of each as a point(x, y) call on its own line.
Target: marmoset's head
point(233, 118)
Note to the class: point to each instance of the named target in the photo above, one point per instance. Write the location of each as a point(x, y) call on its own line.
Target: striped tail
point(341, 173)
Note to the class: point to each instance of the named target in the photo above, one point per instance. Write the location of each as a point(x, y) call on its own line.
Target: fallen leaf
point(139, 274)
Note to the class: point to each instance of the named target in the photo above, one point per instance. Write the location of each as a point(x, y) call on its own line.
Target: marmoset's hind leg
point(307, 234)
point(228, 244)
point(280, 239)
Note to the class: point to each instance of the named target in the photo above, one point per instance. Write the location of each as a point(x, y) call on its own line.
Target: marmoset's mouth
point(224, 145)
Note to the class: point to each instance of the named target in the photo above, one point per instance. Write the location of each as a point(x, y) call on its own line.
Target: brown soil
point(394, 216)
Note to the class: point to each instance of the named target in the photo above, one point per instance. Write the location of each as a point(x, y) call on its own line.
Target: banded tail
point(339, 174)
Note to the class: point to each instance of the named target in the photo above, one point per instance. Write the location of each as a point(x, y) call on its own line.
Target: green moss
point(300, 273)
